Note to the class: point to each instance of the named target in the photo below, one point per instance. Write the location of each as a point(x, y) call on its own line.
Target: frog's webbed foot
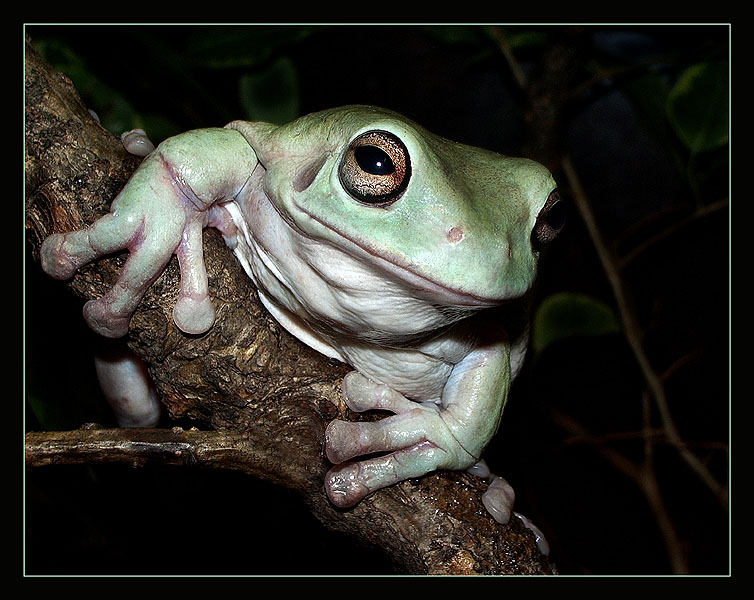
point(416, 439)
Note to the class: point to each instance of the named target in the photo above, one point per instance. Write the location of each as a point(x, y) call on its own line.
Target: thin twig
point(699, 213)
point(646, 415)
point(503, 44)
point(679, 363)
point(645, 479)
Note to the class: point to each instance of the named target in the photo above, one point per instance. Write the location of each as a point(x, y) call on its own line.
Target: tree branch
point(265, 396)
point(176, 446)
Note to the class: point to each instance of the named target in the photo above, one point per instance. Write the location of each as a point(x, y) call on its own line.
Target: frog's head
point(460, 225)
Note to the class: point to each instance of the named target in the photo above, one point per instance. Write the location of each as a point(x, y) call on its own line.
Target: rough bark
point(262, 398)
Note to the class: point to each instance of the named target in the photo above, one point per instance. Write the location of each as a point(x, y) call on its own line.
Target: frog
point(405, 255)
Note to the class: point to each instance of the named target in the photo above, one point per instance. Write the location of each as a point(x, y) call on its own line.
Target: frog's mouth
point(435, 291)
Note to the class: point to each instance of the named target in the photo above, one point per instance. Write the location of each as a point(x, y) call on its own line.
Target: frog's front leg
point(420, 438)
point(160, 212)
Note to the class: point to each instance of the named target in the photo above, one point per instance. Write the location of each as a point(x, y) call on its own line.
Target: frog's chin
point(432, 290)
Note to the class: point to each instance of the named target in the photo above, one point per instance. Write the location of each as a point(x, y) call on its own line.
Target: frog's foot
point(62, 254)
point(416, 438)
point(177, 191)
point(151, 232)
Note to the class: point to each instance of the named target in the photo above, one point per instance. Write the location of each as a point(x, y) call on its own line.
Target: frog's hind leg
point(126, 385)
point(419, 437)
point(349, 482)
point(411, 452)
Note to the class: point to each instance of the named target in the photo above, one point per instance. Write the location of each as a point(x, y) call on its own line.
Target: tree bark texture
point(261, 398)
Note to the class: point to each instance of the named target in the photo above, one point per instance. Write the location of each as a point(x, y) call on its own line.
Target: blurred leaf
point(114, 111)
point(50, 416)
point(698, 106)
point(245, 47)
point(467, 35)
point(51, 407)
point(520, 39)
point(566, 315)
point(648, 94)
point(271, 94)
point(478, 37)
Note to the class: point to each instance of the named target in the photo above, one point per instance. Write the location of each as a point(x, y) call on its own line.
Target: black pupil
point(374, 160)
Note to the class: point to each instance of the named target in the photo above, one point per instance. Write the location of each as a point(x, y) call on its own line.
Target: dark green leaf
point(245, 47)
point(113, 109)
point(566, 315)
point(271, 95)
point(520, 39)
point(648, 94)
point(698, 106)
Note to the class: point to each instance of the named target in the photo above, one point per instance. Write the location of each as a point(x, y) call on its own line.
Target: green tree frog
point(373, 241)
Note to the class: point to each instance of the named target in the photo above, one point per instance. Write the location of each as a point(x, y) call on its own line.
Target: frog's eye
point(549, 221)
point(376, 168)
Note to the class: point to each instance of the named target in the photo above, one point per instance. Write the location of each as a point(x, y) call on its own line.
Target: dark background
point(642, 181)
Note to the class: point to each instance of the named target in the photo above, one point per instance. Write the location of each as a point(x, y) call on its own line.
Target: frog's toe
point(193, 311)
point(542, 543)
point(137, 142)
point(498, 499)
point(194, 315)
point(56, 262)
point(362, 394)
point(343, 487)
point(100, 316)
point(346, 439)
point(343, 441)
point(346, 484)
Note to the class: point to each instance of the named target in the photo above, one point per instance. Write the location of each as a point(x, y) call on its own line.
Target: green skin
point(421, 292)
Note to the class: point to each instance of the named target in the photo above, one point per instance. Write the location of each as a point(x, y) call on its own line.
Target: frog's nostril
point(455, 235)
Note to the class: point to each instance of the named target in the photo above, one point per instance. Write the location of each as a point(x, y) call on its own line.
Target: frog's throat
point(409, 275)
